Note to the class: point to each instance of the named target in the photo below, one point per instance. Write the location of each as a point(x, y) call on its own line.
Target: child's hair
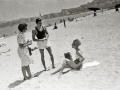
point(76, 42)
point(67, 55)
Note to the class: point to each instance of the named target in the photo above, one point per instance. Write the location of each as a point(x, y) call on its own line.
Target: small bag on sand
point(77, 61)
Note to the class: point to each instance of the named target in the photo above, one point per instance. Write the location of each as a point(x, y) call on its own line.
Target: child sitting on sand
point(55, 26)
point(68, 61)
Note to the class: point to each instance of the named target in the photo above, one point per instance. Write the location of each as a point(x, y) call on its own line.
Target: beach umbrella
point(117, 5)
point(94, 9)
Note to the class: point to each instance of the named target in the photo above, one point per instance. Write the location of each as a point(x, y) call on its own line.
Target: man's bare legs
point(51, 56)
point(42, 58)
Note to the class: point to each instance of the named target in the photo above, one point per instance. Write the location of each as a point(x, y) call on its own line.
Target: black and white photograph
point(59, 45)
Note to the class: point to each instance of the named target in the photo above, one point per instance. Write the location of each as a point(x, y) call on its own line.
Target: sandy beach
point(100, 46)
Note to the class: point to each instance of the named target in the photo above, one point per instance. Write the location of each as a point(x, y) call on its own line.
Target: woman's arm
point(25, 44)
point(79, 54)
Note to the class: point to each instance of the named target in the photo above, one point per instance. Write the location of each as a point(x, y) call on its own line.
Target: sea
point(12, 30)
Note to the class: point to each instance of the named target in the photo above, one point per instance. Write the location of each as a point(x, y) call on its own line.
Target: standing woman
point(42, 41)
point(23, 51)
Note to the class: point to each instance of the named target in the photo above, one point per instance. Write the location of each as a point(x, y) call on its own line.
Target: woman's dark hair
point(76, 42)
point(67, 55)
point(22, 26)
point(37, 20)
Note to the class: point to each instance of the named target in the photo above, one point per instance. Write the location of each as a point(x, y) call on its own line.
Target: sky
point(15, 9)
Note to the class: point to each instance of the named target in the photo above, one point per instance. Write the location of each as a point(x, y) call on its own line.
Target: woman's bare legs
point(64, 65)
point(24, 72)
point(28, 71)
point(70, 64)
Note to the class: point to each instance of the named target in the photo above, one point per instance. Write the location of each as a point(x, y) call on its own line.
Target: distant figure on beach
point(55, 26)
point(60, 21)
point(15, 32)
point(42, 41)
point(68, 61)
point(101, 10)
point(4, 35)
point(76, 19)
point(64, 22)
point(69, 19)
point(116, 9)
point(23, 51)
point(95, 13)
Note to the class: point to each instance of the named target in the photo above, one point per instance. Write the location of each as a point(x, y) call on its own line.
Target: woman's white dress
point(23, 52)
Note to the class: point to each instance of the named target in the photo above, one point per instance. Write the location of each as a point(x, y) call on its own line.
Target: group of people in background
point(55, 26)
point(40, 35)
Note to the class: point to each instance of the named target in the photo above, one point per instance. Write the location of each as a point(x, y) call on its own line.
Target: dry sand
point(100, 43)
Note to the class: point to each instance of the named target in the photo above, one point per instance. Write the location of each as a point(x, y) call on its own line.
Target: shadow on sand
point(18, 82)
point(38, 73)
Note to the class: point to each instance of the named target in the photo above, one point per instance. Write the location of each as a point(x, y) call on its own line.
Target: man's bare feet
point(53, 67)
point(30, 77)
point(46, 69)
point(25, 78)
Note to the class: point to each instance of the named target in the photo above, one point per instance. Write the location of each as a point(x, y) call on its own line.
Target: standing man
point(64, 22)
point(95, 13)
point(116, 9)
point(42, 41)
